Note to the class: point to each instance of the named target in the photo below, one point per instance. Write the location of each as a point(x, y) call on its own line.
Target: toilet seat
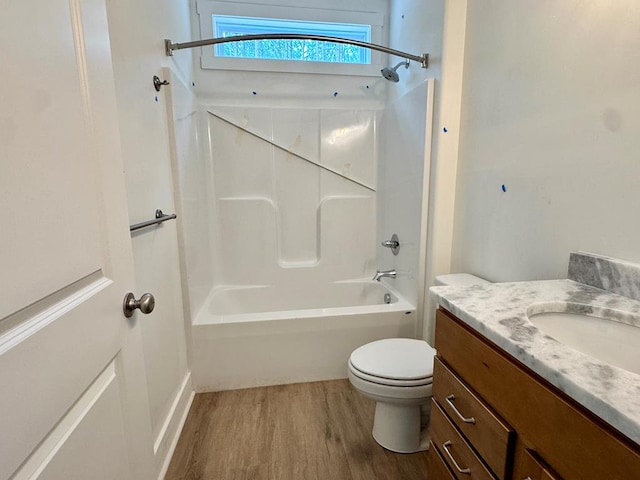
point(402, 362)
point(391, 382)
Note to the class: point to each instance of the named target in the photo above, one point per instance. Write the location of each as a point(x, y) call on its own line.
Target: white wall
point(551, 110)
point(137, 30)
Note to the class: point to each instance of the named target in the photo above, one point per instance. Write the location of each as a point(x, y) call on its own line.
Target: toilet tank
point(460, 279)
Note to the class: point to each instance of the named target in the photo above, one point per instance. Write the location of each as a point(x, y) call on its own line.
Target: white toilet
point(397, 374)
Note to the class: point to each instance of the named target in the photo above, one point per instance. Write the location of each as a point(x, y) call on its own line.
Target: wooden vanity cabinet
point(530, 429)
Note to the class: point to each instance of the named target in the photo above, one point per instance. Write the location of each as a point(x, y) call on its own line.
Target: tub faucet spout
point(384, 273)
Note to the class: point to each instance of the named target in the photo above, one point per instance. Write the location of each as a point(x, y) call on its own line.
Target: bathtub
point(248, 336)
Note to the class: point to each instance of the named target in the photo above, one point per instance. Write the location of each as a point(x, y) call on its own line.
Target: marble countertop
point(499, 312)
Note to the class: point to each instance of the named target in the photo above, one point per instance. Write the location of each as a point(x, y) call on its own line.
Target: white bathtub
point(262, 335)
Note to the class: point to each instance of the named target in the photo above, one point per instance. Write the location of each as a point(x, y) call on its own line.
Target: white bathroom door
point(73, 403)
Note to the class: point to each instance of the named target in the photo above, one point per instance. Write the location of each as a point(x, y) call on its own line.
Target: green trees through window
point(300, 50)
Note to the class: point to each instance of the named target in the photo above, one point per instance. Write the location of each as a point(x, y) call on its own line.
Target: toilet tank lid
point(460, 279)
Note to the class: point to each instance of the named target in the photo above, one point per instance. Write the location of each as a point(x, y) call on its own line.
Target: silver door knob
point(145, 304)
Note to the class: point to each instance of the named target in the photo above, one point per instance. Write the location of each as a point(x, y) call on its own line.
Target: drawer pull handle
point(450, 400)
point(445, 446)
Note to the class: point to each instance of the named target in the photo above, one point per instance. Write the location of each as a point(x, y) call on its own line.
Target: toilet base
point(401, 428)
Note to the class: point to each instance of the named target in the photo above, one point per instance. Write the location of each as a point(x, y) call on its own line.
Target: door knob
point(145, 304)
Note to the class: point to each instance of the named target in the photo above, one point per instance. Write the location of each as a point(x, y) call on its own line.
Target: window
point(300, 50)
point(225, 19)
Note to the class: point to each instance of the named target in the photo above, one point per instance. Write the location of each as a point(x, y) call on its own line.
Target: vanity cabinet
point(489, 407)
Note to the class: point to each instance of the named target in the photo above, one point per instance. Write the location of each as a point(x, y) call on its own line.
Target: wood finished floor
point(306, 431)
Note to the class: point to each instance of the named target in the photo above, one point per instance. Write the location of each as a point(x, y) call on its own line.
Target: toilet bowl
point(397, 374)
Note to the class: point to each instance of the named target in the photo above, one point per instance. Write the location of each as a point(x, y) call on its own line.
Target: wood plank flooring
point(306, 431)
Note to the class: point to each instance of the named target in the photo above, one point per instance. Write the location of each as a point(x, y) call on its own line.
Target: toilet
point(397, 374)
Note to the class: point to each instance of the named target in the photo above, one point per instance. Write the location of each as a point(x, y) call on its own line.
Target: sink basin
point(612, 341)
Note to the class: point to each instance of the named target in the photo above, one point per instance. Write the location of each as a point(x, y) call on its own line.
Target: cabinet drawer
point(436, 467)
point(490, 436)
point(455, 450)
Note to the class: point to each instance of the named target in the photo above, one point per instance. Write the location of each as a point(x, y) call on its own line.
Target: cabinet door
point(533, 468)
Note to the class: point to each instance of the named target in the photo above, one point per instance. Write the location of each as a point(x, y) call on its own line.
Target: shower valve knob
point(393, 244)
point(146, 304)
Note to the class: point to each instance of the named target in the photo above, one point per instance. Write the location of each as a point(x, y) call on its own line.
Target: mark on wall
point(42, 100)
point(297, 142)
point(8, 132)
point(245, 119)
point(239, 136)
point(612, 119)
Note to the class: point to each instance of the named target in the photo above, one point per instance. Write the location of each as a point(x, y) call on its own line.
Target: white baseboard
point(167, 439)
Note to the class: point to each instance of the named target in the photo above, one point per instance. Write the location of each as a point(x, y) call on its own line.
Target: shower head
point(391, 74)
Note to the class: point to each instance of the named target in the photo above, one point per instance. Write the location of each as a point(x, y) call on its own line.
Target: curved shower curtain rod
point(423, 60)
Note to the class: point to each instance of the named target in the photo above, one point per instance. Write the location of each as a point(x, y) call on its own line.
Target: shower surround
point(280, 241)
point(282, 219)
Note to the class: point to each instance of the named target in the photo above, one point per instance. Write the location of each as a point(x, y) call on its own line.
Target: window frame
point(208, 59)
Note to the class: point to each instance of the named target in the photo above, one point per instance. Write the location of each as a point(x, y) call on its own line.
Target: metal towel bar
point(160, 217)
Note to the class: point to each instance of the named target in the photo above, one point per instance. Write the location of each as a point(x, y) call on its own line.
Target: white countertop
point(499, 312)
